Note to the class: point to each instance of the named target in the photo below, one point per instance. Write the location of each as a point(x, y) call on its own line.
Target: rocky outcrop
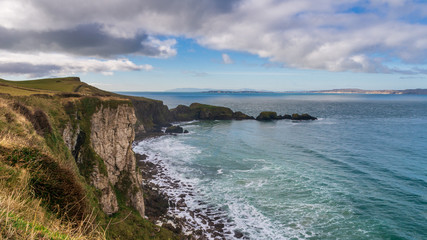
point(100, 138)
point(174, 129)
point(267, 116)
point(151, 114)
point(197, 111)
point(112, 134)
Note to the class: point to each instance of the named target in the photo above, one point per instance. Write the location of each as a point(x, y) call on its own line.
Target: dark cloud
point(28, 69)
point(85, 40)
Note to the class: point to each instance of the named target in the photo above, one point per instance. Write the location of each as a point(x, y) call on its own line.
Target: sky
point(274, 45)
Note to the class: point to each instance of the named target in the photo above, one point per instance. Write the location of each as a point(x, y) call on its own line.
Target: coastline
point(173, 204)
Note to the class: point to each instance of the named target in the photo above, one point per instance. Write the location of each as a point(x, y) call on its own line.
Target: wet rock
point(174, 129)
point(238, 234)
point(181, 203)
point(141, 157)
point(219, 227)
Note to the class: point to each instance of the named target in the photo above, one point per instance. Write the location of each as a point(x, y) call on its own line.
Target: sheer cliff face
point(111, 136)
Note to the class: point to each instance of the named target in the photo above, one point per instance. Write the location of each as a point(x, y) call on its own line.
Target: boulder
point(267, 116)
point(174, 129)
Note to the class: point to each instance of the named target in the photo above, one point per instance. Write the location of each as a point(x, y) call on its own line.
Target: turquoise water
point(359, 172)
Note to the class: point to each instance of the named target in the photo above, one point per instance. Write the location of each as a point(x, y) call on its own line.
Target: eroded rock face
point(108, 200)
point(112, 134)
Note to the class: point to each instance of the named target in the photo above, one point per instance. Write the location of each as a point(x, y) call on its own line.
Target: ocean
point(358, 172)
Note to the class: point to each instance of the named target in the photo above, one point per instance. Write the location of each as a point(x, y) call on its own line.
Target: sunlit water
point(359, 172)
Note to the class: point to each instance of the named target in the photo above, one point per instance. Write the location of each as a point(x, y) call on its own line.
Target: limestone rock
point(112, 135)
point(108, 200)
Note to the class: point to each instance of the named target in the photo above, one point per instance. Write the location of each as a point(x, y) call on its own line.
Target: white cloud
point(326, 35)
point(164, 47)
point(52, 64)
point(226, 59)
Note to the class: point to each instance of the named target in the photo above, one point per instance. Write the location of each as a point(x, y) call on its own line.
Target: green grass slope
point(50, 86)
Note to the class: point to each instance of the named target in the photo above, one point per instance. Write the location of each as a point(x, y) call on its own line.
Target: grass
point(52, 84)
point(15, 91)
point(24, 217)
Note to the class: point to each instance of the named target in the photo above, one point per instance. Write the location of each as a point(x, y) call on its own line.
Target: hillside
point(67, 170)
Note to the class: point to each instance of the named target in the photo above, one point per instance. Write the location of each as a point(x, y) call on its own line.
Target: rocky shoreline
point(171, 210)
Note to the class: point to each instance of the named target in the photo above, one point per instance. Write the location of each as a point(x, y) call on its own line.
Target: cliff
point(111, 135)
point(75, 142)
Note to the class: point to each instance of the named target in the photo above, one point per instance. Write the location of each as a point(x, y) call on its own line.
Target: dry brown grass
point(23, 217)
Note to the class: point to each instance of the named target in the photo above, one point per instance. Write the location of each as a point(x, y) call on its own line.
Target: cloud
point(349, 35)
point(226, 59)
point(84, 40)
point(47, 64)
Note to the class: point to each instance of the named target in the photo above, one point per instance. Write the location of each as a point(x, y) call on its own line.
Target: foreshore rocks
point(269, 116)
